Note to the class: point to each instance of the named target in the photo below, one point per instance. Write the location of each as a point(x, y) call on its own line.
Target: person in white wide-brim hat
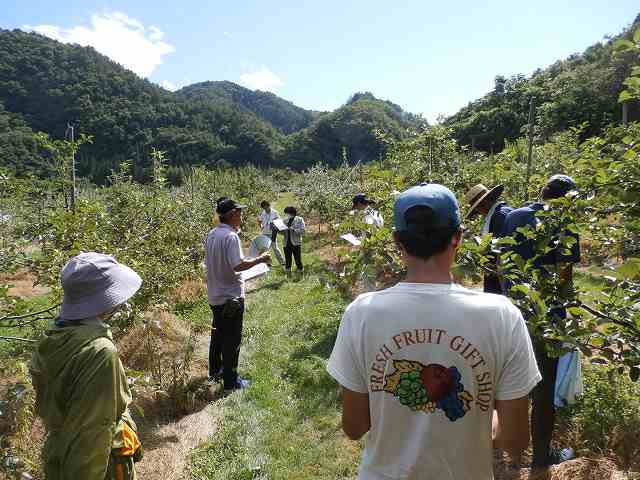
point(484, 201)
point(82, 392)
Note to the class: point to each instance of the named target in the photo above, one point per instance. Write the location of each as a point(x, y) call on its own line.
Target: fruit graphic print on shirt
point(429, 386)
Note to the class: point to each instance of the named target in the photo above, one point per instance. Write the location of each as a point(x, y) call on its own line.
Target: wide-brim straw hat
point(478, 193)
point(94, 283)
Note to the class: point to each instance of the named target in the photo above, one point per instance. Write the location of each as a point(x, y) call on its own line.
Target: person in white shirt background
point(371, 216)
point(265, 220)
point(438, 375)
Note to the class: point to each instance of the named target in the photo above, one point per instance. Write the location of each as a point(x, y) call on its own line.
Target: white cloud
point(263, 79)
point(173, 86)
point(119, 37)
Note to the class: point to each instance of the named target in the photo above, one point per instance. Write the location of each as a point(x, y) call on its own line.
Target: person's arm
point(517, 376)
point(356, 420)
point(235, 258)
point(298, 226)
point(511, 425)
point(346, 368)
point(246, 264)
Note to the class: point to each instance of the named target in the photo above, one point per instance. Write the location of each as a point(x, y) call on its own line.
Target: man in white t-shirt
point(265, 220)
point(423, 365)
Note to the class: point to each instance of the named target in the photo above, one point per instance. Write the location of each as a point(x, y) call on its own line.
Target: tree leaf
point(625, 96)
point(623, 45)
point(630, 268)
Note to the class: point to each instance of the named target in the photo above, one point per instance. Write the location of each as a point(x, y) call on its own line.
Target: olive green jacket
point(82, 395)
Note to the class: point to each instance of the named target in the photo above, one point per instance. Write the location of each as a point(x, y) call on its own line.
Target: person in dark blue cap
point(543, 412)
point(435, 373)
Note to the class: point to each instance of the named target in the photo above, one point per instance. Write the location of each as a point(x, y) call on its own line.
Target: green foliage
point(607, 418)
point(46, 84)
point(582, 88)
point(349, 134)
point(155, 230)
point(632, 83)
point(282, 114)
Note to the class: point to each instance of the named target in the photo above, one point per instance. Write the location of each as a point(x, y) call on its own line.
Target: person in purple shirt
point(556, 259)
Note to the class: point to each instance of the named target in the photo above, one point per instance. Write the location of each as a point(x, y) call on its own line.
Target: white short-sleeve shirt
point(265, 220)
point(433, 359)
point(223, 252)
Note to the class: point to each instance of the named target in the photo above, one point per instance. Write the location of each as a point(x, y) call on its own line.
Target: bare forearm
point(510, 426)
point(247, 264)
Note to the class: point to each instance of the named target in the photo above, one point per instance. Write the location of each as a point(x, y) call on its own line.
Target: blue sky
point(429, 57)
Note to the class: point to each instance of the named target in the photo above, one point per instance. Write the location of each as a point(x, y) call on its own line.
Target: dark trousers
point(492, 284)
point(226, 336)
point(296, 251)
point(543, 412)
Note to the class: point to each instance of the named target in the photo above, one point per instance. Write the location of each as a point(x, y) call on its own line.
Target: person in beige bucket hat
point(484, 201)
point(81, 387)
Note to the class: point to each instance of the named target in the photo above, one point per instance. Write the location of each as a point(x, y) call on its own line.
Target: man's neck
point(230, 225)
point(434, 270)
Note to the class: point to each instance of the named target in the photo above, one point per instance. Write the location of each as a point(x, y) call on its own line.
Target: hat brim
point(492, 194)
point(125, 283)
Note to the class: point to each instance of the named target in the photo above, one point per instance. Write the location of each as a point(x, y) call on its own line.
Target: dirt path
point(168, 444)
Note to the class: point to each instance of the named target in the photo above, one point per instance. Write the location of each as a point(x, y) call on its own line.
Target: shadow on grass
point(274, 285)
point(307, 373)
point(154, 410)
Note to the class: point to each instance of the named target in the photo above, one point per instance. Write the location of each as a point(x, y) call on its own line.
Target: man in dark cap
point(485, 202)
point(371, 216)
point(543, 412)
point(224, 260)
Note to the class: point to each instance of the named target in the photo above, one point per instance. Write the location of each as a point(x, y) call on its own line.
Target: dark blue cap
point(559, 185)
point(437, 197)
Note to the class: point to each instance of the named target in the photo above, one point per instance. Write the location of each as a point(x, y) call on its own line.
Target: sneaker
point(557, 455)
point(241, 383)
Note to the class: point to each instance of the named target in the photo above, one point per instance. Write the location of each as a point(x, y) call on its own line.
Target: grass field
point(287, 425)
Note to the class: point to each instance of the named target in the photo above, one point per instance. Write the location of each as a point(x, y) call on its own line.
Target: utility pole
point(73, 167)
point(530, 157)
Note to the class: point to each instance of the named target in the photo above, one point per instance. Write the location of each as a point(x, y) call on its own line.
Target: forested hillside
point(47, 84)
point(350, 132)
point(282, 114)
point(581, 88)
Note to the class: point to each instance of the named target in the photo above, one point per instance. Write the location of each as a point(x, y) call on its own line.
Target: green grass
point(607, 418)
point(287, 424)
point(284, 200)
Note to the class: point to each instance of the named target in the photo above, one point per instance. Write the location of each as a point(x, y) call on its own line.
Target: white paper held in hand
point(255, 271)
point(279, 224)
point(351, 238)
